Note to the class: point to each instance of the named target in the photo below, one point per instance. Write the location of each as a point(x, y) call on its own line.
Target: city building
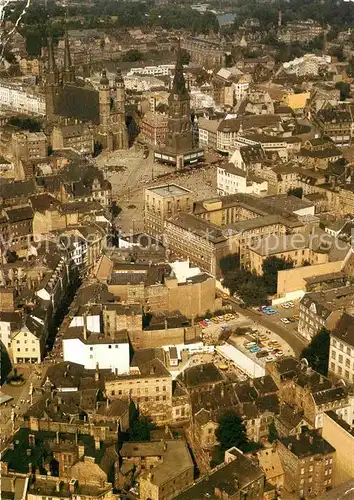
point(341, 351)
point(172, 472)
point(336, 123)
point(207, 53)
point(163, 202)
point(300, 249)
point(308, 462)
point(237, 477)
point(180, 148)
point(76, 136)
point(20, 98)
point(153, 128)
point(308, 392)
point(189, 237)
point(66, 99)
point(149, 386)
point(86, 345)
point(323, 310)
point(339, 435)
point(231, 180)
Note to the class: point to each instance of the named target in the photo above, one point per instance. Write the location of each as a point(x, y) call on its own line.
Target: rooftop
point(168, 190)
point(344, 329)
point(307, 444)
point(230, 478)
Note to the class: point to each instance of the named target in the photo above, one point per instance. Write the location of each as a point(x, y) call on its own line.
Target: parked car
point(285, 321)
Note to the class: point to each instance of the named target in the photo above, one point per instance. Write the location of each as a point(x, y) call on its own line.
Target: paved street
point(21, 397)
point(286, 332)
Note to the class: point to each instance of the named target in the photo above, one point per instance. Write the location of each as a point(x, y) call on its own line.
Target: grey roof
point(344, 329)
point(307, 444)
point(230, 478)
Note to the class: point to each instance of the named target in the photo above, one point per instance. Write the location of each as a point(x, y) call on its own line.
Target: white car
point(291, 304)
point(285, 306)
point(285, 321)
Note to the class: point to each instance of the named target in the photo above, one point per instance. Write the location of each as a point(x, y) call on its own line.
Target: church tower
point(68, 69)
point(120, 131)
point(52, 81)
point(179, 141)
point(104, 96)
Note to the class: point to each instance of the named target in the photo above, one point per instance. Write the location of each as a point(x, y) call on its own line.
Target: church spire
point(179, 82)
point(51, 59)
point(67, 55)
point(68, 69)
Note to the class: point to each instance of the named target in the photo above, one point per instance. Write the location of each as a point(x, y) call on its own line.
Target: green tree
point(139, 425)
point(132, 56)
point(186, 57)
point(271, 266)
point(229, 263)
point(231, 431)
point(298, 192)
point(317, 352)
point(272, 433)
point(344, 88)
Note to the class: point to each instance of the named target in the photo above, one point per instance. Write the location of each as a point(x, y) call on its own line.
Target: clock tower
point(180, 147)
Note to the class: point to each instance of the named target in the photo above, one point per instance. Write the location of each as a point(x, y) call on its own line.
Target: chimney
point(81, 450)
point(97, 443)
point(85, 326)
point(298, 437)
point(107, 403)
point(60, 401)
point(30, 468)
point(310, 439)
point(166, 326)
point(28, 452)
point(164, 446)
point(222, 392)
point(97, 372)
point(57, 486)
point(57, 437)
point(72, 485)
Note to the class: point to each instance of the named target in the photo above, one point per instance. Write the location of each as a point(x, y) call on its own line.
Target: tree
point(231, 431)
point(344, 88)
point(132, 56)
point(271, 266)
point(298, 192)
point(185, 56)
point(272, 433)
point(139, 426)
point(317, 352)
point(230, 263)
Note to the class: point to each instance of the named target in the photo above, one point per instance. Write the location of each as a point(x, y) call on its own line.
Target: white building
point(28, 343)
point(232, 180)
point(92, 348)
point(10, 322)
point(20, 98)
point(308, 64)
point(160, 70)
point(270, 143)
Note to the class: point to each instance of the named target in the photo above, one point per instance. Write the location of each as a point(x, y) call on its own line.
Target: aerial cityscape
point(176, 249)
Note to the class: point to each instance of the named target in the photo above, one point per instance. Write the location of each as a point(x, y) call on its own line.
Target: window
point(109, 347)
point(302, 471)
point(310, 479)
point(91, 348)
